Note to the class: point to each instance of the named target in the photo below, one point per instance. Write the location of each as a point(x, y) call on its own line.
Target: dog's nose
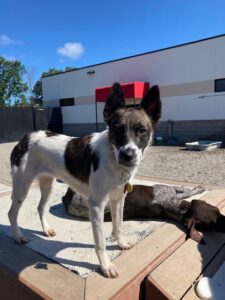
point(127, 155)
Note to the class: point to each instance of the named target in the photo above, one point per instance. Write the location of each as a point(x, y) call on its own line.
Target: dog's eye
point(142, 130)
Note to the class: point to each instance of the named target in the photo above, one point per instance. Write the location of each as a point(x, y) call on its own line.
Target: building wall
point(189, 131)
point(185, 75)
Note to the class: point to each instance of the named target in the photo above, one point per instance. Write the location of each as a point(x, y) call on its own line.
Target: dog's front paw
point(21, 239)
point(124, 245)
point(50, 232)
point(110, 271)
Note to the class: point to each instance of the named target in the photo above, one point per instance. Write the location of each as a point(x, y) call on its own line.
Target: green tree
point(22, 102)
point(12, 85)
point(69, 69)
point(37, 97)
point(51, 71)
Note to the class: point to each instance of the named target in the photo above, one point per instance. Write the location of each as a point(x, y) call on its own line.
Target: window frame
point(216, 88)
point(67, 101)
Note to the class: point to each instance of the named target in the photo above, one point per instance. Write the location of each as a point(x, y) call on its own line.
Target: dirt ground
point(174, 163)
point(5, 151)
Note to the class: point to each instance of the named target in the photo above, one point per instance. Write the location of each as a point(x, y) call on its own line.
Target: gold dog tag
point(128, 187)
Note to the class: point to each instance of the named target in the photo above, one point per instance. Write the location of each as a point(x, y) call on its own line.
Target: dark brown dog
point(164, 202)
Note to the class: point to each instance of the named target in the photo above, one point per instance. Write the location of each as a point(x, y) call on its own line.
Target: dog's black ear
point(151, 103)
point(114, 102)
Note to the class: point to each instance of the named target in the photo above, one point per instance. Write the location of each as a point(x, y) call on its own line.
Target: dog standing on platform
point(98, 166)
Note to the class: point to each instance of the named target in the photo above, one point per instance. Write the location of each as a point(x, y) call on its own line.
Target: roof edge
point(137, 55)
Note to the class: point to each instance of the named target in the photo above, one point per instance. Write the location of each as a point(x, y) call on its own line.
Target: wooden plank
point(154, 291)
point(51, 281)
point(12, 289)
point(178, 273)
point(208, 272)
point(26, 269)
point(135, 264)
point(215, 197)
point(191, 295)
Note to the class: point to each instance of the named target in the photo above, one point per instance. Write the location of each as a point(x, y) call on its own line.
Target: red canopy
point(132, 90)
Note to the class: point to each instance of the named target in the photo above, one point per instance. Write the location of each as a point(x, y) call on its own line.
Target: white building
point(191, 78)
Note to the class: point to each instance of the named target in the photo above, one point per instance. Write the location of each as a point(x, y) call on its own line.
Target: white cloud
point(5, 41)
point(71, 50)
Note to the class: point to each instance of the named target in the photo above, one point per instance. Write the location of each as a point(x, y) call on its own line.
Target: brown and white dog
point(96, 166)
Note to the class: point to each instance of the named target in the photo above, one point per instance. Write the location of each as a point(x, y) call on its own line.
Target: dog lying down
point(160, 201)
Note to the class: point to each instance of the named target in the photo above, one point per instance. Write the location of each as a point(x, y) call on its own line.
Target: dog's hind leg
point(21, 185)
point(45, 183)
point(190, 192)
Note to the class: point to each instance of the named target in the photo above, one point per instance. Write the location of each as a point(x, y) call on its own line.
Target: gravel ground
point(177, 163)
point(162, 162)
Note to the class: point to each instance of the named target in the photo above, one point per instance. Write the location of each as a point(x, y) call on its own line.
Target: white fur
point(45, 160)
point(138, 152)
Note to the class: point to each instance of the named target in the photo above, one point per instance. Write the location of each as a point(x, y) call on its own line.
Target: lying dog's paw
point(199, 189)
point(50, 232)
point(110, 271)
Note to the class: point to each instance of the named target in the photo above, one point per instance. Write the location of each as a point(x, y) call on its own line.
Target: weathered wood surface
point(23, 269)
point(177, 274)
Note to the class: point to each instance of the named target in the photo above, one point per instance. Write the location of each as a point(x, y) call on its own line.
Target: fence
point(17, 121)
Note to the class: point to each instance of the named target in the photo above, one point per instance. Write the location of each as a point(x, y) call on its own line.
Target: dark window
point(220, 85)
point(66, 101)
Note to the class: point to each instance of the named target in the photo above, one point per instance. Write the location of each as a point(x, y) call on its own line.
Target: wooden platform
point(25, 274)
point(176, 277)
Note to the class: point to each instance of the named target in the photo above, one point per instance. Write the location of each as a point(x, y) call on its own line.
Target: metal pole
point(33, 118)
point(96, 115)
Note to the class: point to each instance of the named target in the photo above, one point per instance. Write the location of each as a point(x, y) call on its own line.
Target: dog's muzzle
point(127, 157)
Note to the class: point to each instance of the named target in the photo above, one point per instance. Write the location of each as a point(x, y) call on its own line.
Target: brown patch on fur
point(136, 124)
point(130, 123)
point(138, 204)
point(19, 151)
point(66, 199)
point(79, 157)
point(51, 133)
point(201, 215)
point(204, 213)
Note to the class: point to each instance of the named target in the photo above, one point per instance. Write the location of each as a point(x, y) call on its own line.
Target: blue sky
point(47, 34)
